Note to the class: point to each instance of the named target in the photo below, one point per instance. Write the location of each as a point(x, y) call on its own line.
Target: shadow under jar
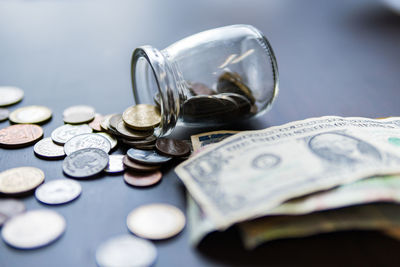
point(211, 78)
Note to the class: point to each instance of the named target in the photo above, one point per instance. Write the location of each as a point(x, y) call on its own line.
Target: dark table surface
point(335, 58)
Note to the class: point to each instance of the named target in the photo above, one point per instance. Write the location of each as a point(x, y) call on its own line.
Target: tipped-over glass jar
point(214, 77)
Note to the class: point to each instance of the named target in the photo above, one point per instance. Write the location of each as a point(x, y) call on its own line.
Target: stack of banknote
point(303, 178)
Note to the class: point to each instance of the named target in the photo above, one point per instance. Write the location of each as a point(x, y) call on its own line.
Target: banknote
point(204, 139)
point(249, 173)
point(366, 217)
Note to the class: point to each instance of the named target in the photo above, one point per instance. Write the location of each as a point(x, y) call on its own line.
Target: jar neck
point(154, 73)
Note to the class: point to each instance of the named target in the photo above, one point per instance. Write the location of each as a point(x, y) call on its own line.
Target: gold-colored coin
point(20, 180)
point(31, 114)
point(142, 117)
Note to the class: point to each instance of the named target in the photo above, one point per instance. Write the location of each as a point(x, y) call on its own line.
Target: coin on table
point(142, 179)
point(86, 141)
point(131, 134)
point(113, 141)
point(150, 157)
point(127, 251)
point(58, 191)
point(78, 114)
point(115, 164)
point(20, 135)
point(85, 163)
point(10, 95)
point(95, 123)
point(33, 229)
point(201, 89)
point(105, 122)
point(4, 114)
point(62, 134)
point(20, 180)
point(172, 147)
point(31, 114)
point(114, 119)
point(156, 221)
point(46, 148)
point(9, 208)
point(150, 140)
point(139, 167)
point(142, 117)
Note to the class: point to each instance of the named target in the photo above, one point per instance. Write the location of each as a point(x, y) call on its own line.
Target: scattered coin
point(85, 162)
point(78, 114)
point(131, 134)
point(20, 180)
point(10, 95)
point(114, 119)
point(33, 229)
point(147, 157)
point(126, 250)
point(105, 122)
point(113, 141)
point(201, 89)
point(151, 140)
point(172, 147)
point(21, 135)
point(46, 148)
point(31, 114)
point(142, 117)
point(115, 164)
point(4, 114)
point(156, 221)
point(95, 124)
point(142, 179)
point(139, 167)
point(90, 140)
point(62, 134)
point(58, 191)
point(9, 208)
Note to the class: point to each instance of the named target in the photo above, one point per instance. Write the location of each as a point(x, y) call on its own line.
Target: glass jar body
point(214, 77)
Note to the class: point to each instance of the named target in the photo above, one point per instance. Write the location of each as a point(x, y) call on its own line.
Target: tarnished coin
point(201, 89)
point(243, 105)
point(9, 208)
point(10, 95)
point(230, 82)
point(139, 167)
point(95, 123)
point(130, 134)
point(172, 147)
point(127, 251)
point(150, 157)
point(142, 179)
point(31, 114)
point(20, 180)
point(78, 114)
point(156, 221)
point(142, 117)
point(33, 229)
point(62, 134)
point(4, 114)
point(86, 141)
point(115, 164)
point(85, 162)
point(20, 135)
point(58, 191)
point(113, 141)
point(46, 148)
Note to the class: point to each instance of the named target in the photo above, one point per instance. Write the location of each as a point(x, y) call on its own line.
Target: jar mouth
point(153, 83)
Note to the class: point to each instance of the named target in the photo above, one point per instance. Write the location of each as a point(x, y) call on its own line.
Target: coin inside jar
point(20, 135)
point(20, 180)
point(142, 179)
point(172, 147)
point(10, 95)
point(31, 114)
point(79, 114)
point(201, 89)
point(142, 117)
point(46, 148)
point(230, 82)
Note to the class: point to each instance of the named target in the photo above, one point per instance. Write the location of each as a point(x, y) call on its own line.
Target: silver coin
point(9, 208)
point(115, 164)
point(147, 156)
point(33, 229)
point(10, 95)
point(62, 134)
point(113, 141)
point(127, 251)
point(58, 191)
point(79, 114)
point(85, 162)
point(48, 149)
point(4, 114)
point(90, 140)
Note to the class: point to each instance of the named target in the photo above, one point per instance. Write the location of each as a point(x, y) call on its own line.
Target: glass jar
point(213, 77)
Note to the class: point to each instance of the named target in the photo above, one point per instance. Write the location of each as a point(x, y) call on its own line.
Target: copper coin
point(142, 179)
point(95, 124)
point(201, 89)
point(172, 147)
point(139, 167)
point(20, 135)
